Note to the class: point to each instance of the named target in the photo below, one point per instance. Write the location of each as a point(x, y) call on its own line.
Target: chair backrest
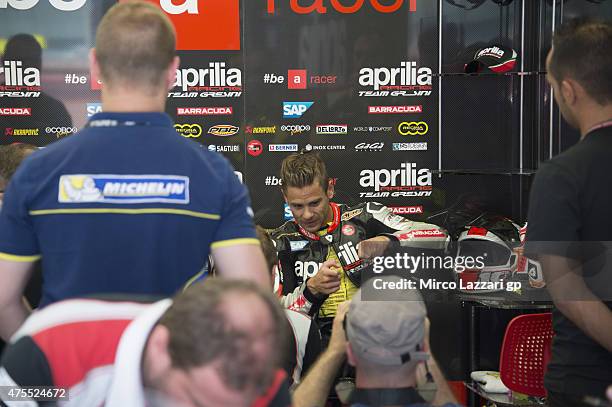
point(525, 353)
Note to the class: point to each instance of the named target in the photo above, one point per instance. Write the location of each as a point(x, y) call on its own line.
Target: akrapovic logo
point(223, 130)
point(15, 111)
point(216, 81)
point(260, 130)
point(332, 129)
point(322, 6)
point(204, 111)
point(122, 189)
point(407, 80)
point(189, 130)
point(10, 131)
point(19, 81)
point(407, 181)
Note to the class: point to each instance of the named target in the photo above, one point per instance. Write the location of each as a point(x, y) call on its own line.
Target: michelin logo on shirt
point(120, 189)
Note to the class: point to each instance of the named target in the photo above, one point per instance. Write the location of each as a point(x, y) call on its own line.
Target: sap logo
point(295, 110)
point(306, 269)
point(320, 7)
point(93, 108)
point(288, 215)
point(299, 245)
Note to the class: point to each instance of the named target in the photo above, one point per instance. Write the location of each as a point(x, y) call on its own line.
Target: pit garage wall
point(485, 134)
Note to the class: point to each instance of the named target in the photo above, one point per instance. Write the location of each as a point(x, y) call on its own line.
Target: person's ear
point(94, 65)
point(350, 355)
point(330, 189)
point(171, 73)
point(569, 90)
point(158, 355)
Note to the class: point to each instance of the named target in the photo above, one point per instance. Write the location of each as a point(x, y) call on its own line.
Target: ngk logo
point(306, 269)
point(407, 80)
point(407, 177)
point(322, 6)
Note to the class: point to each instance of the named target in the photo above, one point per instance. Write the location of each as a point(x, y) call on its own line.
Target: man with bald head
point(126, 205)
point(216, 344)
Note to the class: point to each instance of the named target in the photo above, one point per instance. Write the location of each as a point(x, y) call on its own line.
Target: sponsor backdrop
point(376, 86)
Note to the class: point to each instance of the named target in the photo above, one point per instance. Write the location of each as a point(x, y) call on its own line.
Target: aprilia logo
point(215, 76)
point(15, 75)
point(407, 80)
point(306, 269)
point(494, 52)
point(348, 255)
point(319, 6)
point(405, 178)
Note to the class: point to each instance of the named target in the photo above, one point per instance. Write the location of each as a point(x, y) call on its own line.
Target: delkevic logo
point(409, 146)
point(332, 129)
point(123, 189)
point(283, 147)
point(260, 130)
point(287, 214)
point(370, 146)
point(10, 131)
point(93, 108)
point(395, 109)
point(407, 210)
point(189, 130)
point(295, 110)
point(407, 80)
point(324, 147)
point(322, 6)
point(372, 129)
point(19, 81)
point(407, 181)
point(254, 148)
point(225, 148)
point(204, 111)
point(216, 81)
point(273, 180)
point(295, 128)
point(413, 128)
point(15, 111)
point(223, 130)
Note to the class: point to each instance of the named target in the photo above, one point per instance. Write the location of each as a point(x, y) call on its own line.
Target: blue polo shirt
point(124, 206)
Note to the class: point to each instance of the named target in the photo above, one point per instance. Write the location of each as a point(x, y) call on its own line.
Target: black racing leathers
point(301, 253)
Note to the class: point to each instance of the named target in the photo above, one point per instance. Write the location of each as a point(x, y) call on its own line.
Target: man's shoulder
point(286, 230)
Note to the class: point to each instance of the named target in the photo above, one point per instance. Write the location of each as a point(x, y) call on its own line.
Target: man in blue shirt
point(126, 205)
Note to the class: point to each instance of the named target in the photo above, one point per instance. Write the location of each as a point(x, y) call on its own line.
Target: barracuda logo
point(86, 188)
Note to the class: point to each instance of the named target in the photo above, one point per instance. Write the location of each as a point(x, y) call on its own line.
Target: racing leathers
point(301, 253)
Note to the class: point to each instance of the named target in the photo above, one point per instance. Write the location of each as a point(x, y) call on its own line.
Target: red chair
point(525, 353)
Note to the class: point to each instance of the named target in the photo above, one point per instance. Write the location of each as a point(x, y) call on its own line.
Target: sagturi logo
point(407, 80)
point(406, 181)
point(189, 130)
point(322, 6)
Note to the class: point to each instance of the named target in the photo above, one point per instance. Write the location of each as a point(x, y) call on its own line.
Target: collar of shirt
point(127, 388)
point(138, 118)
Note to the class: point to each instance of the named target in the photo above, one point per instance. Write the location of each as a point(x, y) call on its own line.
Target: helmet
point(491, 240)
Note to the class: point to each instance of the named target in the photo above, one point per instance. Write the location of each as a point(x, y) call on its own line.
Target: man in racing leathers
point(322, 251)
